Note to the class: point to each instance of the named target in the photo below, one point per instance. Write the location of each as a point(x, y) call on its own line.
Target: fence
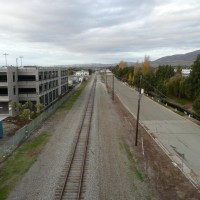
point(174, 106)
point(10, 145)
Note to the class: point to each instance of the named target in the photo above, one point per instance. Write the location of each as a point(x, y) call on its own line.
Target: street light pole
point(21, 59)
point(138, 112)
point(5, 54)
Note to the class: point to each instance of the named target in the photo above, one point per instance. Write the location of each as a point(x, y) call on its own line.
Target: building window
point(27, 90)
point(13, 76)
point(26, 78)
point(3, 77)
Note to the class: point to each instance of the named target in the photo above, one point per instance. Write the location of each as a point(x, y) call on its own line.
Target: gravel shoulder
point(41, 179)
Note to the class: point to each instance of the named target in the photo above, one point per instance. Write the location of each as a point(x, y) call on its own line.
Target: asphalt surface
point(178, 135)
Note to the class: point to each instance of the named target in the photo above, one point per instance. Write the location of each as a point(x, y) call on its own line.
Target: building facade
point(35, 84)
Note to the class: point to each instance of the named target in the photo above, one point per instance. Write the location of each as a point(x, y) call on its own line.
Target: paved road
point(180, 136)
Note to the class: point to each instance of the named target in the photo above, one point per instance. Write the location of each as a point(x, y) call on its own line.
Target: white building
point(186, 72)
point(82, 73)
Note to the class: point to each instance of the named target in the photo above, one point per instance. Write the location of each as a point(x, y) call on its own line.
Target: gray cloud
point(101, 31)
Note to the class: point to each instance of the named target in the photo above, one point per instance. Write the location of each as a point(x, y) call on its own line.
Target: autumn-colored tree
point(123, 65)
point(130, 78)
point(136, 68)
point(145, 65)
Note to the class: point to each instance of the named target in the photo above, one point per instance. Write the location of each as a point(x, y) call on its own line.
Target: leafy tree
point(137, 79)
point(194, 80)
point(130, 78)
point(123, 65)
point(163, 74)
point(25, 115)
point(145, 65)
point(27, 105)
point(39, 107)
point(15, 105)
point(148, 81)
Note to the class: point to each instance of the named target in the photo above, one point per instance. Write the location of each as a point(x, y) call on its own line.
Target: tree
point(136, 81)
point(27, 105)
point(163, 74)
point(39, 107)
point(145, 65)
point(130, 78)
point(173, 87)
point(123, 65)
point(15, 105)
point(25, 115)
point(148, 81)
point(194, 79)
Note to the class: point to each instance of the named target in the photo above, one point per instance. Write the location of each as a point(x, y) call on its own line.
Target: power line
point(155, 88)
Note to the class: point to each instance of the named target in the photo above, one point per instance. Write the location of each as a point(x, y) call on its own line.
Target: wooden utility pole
point(138, 112)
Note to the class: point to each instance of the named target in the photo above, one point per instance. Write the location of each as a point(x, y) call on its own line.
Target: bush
point(196, 105)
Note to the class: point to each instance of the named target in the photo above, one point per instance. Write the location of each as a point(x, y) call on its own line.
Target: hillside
point(178, 59)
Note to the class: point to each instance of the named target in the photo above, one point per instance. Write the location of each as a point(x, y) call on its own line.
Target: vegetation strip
point(133, 164)
point(19, 163)
point(70, 102)
point(24, 157)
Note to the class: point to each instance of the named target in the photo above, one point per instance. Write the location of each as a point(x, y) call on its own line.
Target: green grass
point(70, 102)
point(19, 163)
point(134, 167)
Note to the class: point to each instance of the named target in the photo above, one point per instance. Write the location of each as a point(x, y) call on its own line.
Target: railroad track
point(71, 181)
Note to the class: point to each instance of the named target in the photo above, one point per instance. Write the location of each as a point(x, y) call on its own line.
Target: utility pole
point(21, 59)
point(5, 54)
point(113, 87)
point(138, 111)
point(106, 77)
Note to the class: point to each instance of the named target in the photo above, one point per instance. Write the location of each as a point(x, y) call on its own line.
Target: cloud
point(101, 31)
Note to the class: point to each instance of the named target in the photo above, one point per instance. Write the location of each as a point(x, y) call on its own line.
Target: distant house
point(186, 72)
point(82, 73)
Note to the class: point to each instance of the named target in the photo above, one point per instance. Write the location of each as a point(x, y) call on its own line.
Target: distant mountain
point(178, 59)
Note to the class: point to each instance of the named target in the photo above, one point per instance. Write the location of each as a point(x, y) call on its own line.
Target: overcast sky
point(53, 32)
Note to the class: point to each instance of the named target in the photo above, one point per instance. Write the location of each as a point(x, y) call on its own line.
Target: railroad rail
point(71, 181)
